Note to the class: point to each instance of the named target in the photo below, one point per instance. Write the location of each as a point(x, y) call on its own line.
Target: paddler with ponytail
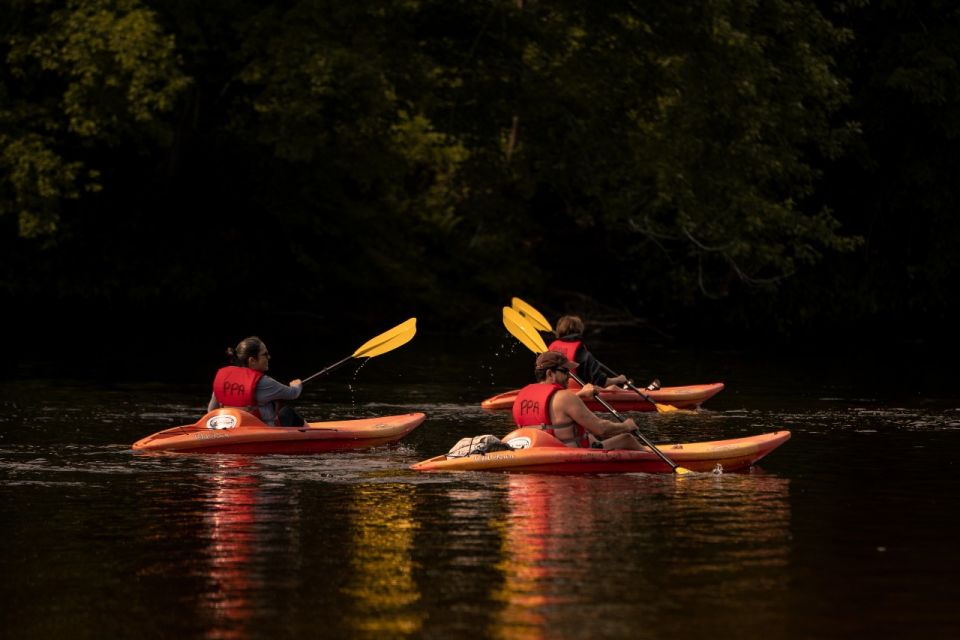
point(550, 406)
point(243, 384)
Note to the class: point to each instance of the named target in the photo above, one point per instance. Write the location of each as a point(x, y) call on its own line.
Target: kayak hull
point(236, 431)
point(687, 397)
point(542, 453)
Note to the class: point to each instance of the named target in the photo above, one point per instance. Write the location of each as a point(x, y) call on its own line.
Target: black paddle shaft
point(330, 368)
point(630, 385)
point(636, 432)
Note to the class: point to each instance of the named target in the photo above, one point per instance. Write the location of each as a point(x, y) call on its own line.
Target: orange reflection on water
point(231, 517)
point(540, 542)
point(567, 539)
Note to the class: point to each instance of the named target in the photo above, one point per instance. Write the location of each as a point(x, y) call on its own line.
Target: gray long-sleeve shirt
point(268, 390)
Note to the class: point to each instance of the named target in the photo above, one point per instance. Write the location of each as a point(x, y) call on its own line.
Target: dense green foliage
point(772, 165)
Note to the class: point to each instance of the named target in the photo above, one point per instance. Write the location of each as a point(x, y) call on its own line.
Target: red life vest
point(568, 349)
point(237, 387)
point(532, 409)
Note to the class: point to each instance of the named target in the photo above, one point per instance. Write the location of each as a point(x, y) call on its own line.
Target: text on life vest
point(233, 387)
point(529, 406)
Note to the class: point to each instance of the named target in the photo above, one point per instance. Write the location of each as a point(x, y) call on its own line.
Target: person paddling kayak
point(550, 406)
point(569, 342)
point(245, 385)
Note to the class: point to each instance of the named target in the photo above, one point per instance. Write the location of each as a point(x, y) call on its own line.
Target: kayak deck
point(236, 431)
point(686, 397)
point(536, 451)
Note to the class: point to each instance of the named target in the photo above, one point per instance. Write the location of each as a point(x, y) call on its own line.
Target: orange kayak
point(537, 451)
point(689, 397)
point(236, 431)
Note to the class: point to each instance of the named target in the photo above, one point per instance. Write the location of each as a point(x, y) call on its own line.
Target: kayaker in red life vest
point(549, 405)
point(243, 384)
point(569, 342)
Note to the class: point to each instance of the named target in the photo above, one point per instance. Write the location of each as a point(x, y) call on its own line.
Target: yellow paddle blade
point(682, 471)
point(665, 408)
point(661, 408)
point(522, 330)
point(388, 340)
point(535, 317)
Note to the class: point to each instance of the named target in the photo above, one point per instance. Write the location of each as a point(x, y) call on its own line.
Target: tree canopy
point(741, 158)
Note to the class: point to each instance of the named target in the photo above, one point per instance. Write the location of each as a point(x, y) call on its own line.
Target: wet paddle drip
point(354, 380)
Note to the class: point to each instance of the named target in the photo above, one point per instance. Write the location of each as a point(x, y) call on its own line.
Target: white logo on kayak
point(222, 422)
point(519, 443)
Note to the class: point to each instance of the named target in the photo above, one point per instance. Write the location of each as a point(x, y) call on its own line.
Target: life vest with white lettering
point(532, 409)
point(237, 387)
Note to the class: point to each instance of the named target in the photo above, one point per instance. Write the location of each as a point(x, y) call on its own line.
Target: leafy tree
point(78, 75)
point(420, 150)
point(688, 134)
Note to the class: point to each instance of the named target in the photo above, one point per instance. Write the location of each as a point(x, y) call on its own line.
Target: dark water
point(848, 531)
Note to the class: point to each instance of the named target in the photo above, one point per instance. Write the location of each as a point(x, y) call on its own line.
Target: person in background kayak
point(243, 384)
point(549, 405)
point(569, 342)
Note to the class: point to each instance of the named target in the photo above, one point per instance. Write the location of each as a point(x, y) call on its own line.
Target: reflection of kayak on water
point(687, 397)
point(538, 451)
point(236, 431)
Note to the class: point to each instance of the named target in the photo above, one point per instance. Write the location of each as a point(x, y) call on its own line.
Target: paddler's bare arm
point(566, 407)
point(586, 391)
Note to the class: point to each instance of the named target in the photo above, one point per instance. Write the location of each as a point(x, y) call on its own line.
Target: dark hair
point(246, 348)
point(568, 325)
point(540, 374)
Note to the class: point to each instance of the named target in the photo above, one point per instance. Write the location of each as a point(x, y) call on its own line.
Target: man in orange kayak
point(243, 384)
point(550, 406)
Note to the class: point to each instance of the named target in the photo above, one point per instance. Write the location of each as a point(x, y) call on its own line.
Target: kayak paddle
point(661, 408)
point(386, 341)
point(521, 329)
point(676, 468)
point(535, 317)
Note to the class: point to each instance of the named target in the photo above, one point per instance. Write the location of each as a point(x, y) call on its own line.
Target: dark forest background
point(758, 172)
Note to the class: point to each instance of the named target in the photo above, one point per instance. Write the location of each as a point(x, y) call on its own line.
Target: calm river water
point(847, 531)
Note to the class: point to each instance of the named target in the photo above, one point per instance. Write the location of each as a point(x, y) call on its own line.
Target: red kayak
point(534, 450)
point(689, 397)
point(236, 431)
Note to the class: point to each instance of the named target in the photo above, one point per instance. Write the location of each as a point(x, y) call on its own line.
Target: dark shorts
point(287, 417)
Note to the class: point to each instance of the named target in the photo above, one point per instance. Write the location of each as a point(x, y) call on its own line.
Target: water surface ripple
point(846, 531)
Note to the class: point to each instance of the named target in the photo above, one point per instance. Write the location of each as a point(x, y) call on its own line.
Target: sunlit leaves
point(87, 72)
point(433, 162)
point(36, 180)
